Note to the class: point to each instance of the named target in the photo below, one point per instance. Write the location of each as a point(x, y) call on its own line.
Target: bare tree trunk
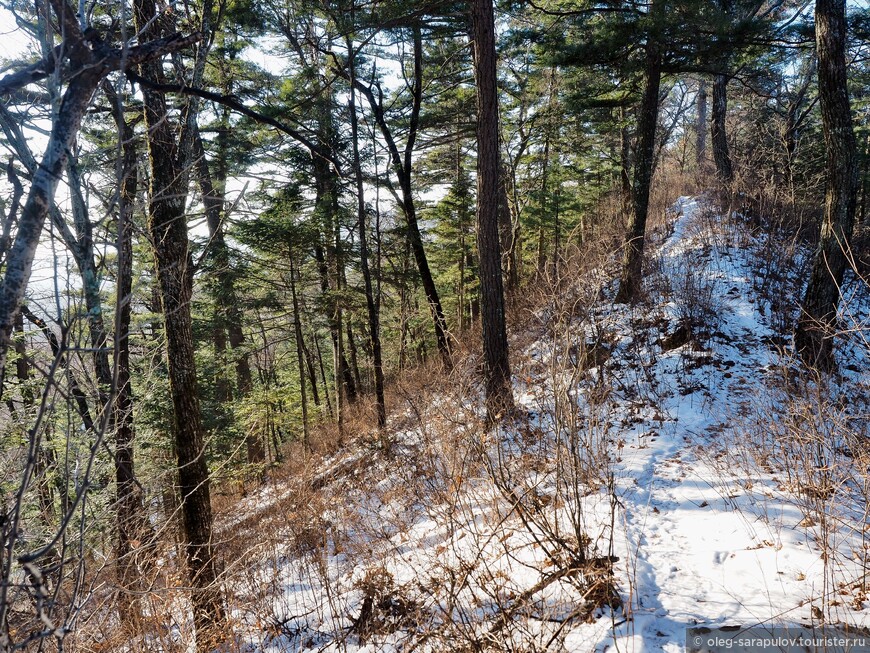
point(701, 126)
point(83, 252)
point(167, 227)
point(630, 281)
point(89, 61)
point(718, 130)
point(371, 305)
point(818, 320)
point(80, 244)
point(496, 366)
point(84, 82)
point(402, 165)
point(132, 521)
point(297, 330)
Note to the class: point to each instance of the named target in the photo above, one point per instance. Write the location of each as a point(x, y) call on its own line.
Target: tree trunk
point(297, 331)
point(506, 229)
point(354, 355)
point(219, 262)
point(320, 365)
point(89, 61)
point(625, 165)
point(167, 226)
point(545, 190)
point(312, 374)
point(701, 126)
point(133, 528)
point(864, 178)
point(362, 223)
point(228, 316)
point(19, 260)
point(81, 246)
point(83, 252)
point(496, 366)
point(718, 131)
point(630, 281)
point(818, 321)
point(402, 165)
point(46, 459)
point(328, 254)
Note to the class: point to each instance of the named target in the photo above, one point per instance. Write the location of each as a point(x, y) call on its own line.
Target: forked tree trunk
point(372, 306)
point(19, 261)
point(402, 165)
point(818, 321)
point(88, 62)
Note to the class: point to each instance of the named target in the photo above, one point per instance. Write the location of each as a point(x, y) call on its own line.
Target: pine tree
point(818, 321)
point(496, 366)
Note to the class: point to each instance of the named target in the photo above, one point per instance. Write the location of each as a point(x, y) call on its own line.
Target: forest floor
point(670, 465)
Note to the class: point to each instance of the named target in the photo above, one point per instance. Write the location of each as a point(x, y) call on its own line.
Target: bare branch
point(235, 105)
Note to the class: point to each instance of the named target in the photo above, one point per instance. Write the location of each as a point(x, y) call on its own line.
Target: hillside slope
point(671, 466)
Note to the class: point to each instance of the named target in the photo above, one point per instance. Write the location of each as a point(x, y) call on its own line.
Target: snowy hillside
point(671, 466)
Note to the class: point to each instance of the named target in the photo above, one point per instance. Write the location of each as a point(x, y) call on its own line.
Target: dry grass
point(356, 499)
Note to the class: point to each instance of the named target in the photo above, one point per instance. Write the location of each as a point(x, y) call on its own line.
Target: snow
point(729, 487)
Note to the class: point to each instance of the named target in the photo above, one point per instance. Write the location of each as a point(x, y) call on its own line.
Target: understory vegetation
point(432, 327)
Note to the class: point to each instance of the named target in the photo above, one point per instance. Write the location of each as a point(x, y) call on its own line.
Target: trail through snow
point(721, 516)
point(709, 542)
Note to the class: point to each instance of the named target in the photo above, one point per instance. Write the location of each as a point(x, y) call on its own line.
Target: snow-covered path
point(706, 541)
point(689, 435)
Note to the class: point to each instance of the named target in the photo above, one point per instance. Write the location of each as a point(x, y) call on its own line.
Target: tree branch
point(235, 105)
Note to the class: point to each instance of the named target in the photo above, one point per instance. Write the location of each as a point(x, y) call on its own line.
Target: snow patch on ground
point(652, 435)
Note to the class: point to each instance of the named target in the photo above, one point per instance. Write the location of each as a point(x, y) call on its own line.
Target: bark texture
point(167, 227)
point(496, 366)
point(133, 528)
point(718, 131)
point(818, 320)
point(701, 126)
point(647, 120)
